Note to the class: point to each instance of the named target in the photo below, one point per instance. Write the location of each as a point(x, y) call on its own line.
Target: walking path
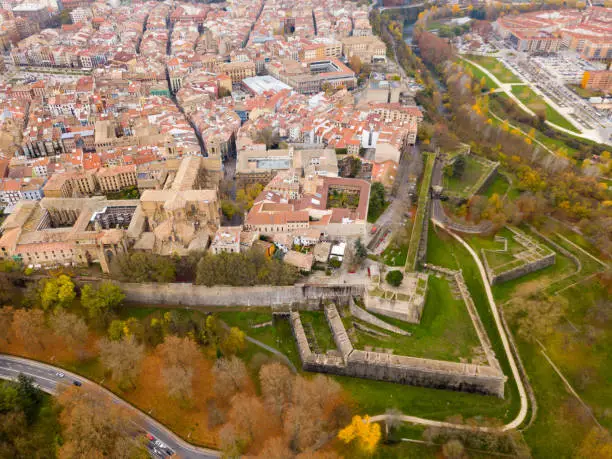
point(589, 134)
point(283, 357)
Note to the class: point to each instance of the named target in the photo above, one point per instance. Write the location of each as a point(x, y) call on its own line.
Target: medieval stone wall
point(519, 271)
point(393, 368)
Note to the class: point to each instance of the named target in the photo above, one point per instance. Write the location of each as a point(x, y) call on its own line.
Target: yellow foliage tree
point(456, 9)
point(365, 433)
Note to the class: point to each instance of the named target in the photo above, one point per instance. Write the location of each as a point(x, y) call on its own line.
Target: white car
point(59, 374)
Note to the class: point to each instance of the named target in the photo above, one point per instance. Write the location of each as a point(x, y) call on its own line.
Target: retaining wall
point(395, 368)
point(519, 271)
point(305, 296)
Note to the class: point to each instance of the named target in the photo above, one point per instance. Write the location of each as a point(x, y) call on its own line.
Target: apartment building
point(364, 47)
point(113, 179)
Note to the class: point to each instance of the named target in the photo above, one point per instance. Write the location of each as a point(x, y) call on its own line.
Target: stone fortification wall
point(304, 296)
point(519, 271)
point(394, 368)
point(484, 183)
point(365, 316)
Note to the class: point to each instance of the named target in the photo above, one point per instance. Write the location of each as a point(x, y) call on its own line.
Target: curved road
point(45, 376)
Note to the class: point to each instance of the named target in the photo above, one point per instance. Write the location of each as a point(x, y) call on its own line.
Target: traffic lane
point(47, 377)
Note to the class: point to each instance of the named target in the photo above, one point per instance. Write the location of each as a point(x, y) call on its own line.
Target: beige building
point(364, 47)
point(238, 71)
point(112, 179)
point(226, 239)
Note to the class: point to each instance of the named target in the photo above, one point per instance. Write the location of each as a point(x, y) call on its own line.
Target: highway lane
point(46, 377)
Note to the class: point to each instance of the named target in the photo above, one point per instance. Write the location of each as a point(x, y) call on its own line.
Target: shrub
point(394, 278)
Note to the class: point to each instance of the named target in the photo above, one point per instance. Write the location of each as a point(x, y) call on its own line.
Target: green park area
point(493, 65)
point(471, 176)
point(394, 255)
point(445, 332)
point(479, 75)
point(536, 103)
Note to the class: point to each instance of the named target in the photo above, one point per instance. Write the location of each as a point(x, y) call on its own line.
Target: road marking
point(33, 375)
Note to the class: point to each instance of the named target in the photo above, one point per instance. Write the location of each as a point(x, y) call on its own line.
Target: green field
point(446, 331)
point(535, 102)
point(395, 256)
point(464, 185)
point(479, 75)
point(493, 65)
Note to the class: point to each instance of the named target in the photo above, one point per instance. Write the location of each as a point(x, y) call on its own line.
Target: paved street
point(45, 376)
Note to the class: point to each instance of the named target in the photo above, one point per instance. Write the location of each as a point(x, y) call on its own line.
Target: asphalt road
point(46, 377)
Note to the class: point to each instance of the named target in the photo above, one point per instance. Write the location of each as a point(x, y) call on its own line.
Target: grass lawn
point(395, 256)
point(493, 65)
point(442, 250)
point(498, 186)
point(317, 330)
point(446, 331)
point(464, 184)
point(535, 102)
point(479, 75)
point(127, 193)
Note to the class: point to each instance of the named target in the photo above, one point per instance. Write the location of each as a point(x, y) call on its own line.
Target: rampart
point(277, 297)
point(393, 368)
point(519, 271)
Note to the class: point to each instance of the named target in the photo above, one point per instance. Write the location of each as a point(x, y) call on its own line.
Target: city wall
point(393, 368)
point(276, 297)
point(519, 271)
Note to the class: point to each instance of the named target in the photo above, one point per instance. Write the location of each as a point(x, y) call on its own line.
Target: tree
point(355, 64)
point(276, 386)
point(94, 427)
point(178, 356)
point(394, 278)
point(116, 330)
point(453, 449)
point(360, 252)
point(103, 300)
point(71, 328)
point(29, 326)
point(596, 445)
point(234, 341)
point(231, 376)
point(364, 433)
point(250, 420)
point(143, 267)
point(275, 448)
point(377, 201)
point(57, 292)
point(122, 358)
point(269, 137)
point(6, 318)
point(459, 166)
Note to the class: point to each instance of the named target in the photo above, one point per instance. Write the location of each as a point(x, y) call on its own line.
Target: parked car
point(77, 383)
point(59, 374)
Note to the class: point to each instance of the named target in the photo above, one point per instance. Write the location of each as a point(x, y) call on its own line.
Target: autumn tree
point(30, 326)
point(275, 448)
point(453, 449)
point(231, 376)
point(122, 358)
point(596, 445)
point(234, 341)
point(103, 300)
point(178, 357)
point(57, 292)
point(93, 427)
point(355, 64)
point(363, 433)
point(71, 328)
point(276, 386)
point(6, 318)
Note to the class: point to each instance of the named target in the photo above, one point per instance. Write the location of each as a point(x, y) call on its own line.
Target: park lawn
point(446, 331)
point(479, 75)
point(443, 250)
point(472, 173)
point(498, 186)
point(315, 323)
point(556, 145)
point(493, 65)
point(393, 256)
point(534, 102)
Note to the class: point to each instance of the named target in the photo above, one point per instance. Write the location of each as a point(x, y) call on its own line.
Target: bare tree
point(71, 328)
point(231, 376)
point(94, 427)
point(29, 326)
point(250, 418)
point(178, 356)
point(6, 318)
point(275, 448)
point(122, 358)
point(276, 386)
